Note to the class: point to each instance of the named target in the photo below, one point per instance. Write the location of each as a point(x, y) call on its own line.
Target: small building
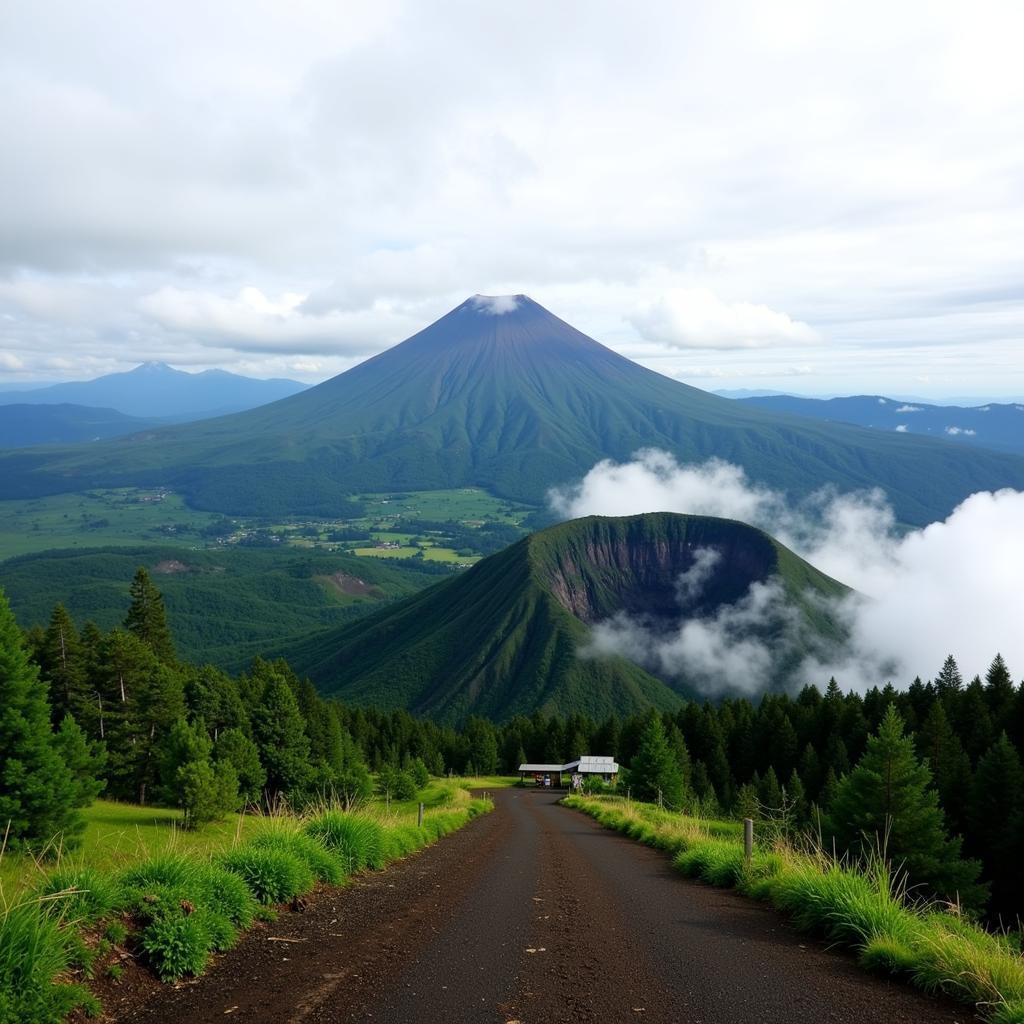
point(586, 765)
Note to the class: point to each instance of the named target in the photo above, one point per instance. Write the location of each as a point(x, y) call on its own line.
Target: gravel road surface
point(533, 914)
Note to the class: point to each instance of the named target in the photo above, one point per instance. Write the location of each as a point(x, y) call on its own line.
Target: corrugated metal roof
point(586, 763)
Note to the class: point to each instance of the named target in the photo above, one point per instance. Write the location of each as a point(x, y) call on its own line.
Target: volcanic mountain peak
point(506, 637)
point(502, 394)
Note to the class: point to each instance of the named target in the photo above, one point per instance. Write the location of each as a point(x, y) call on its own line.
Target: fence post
point(419, 817)
point(748, 840)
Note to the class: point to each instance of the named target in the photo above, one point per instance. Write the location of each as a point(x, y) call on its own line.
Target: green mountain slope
point(224, 606)
point(505, 637)
point(515, 403)
point(22, 425)
point(995, 425)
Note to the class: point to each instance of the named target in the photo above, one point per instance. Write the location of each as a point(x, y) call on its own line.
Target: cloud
point(956, 431)
point(251, 321)
point(952, 587)
point(694, 318)
point(213, 147)
point(909, 408)
point(496, 305)
point(902, 428)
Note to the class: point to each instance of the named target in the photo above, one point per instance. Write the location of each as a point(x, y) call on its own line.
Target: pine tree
point(747, 803)
point(483, 746)
point(39, 795)
point(63, 666)
point(795, 802)
point(280, 734)
point(887, 804)
point(999, 691)
point(996, 820)
point(235, 748)
point(654, 773)
point(85, 760)
point(810, 771)
point(682, 755)
point(770, 792)
point(976, 723)
point(949, 764)
point(147, 618)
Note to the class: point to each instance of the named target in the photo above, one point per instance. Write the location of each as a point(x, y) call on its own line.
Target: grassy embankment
point(860, 907)
point(141, 888)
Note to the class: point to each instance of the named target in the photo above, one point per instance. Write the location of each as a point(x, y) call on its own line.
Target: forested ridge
point(127, 717)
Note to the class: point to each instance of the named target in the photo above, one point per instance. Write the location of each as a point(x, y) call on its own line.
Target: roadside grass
point(485, 782)
point(173, 899)
point(118, 834)
point(860, 906)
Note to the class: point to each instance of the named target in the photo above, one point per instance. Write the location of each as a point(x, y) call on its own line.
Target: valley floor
point(533, 914)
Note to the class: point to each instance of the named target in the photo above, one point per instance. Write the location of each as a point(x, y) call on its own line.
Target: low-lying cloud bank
point(953, 587)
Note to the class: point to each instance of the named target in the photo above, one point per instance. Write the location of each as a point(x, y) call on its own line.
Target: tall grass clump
point(325, 865)
point(187, 909)
point(36, 953)
point(864, 906)
point(358, 840)
point(273, 874)
point(78, 894)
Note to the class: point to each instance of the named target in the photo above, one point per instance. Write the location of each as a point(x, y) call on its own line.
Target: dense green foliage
point(656, 771)
point(39, 793)
point(886, 805)
point(505, 637)
point(223, 606)
point(515, 403)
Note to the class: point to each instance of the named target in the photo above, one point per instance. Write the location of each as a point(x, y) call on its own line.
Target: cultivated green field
point(126, 516)
point(133, 516)
point(464, 504)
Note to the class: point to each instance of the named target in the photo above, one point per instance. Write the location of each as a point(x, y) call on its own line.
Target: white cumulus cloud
point(695, 318)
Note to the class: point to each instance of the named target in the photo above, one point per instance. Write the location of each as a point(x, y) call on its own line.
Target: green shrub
point(78, 894)
point(359, 841)
point(273, 875)
point(177, 945)
point(227, 894)
point(34, 952)
point(325, 865)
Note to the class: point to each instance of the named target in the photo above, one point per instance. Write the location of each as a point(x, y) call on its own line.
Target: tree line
point(123, 715)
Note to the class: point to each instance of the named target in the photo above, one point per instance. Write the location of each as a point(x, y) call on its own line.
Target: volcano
point(502, 394)
point(511, 634)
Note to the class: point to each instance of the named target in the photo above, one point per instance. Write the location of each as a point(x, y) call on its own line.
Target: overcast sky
point(816, 197)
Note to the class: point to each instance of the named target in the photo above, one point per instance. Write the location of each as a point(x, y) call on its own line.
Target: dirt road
point(535, 914)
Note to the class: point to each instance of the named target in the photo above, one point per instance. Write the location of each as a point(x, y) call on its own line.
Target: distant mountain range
point(501, 394)
point(505, 637)
point(998, 426)
point(25, 425)
point(158, 391)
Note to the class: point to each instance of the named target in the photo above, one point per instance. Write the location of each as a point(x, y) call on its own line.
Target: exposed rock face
point(639, 571)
